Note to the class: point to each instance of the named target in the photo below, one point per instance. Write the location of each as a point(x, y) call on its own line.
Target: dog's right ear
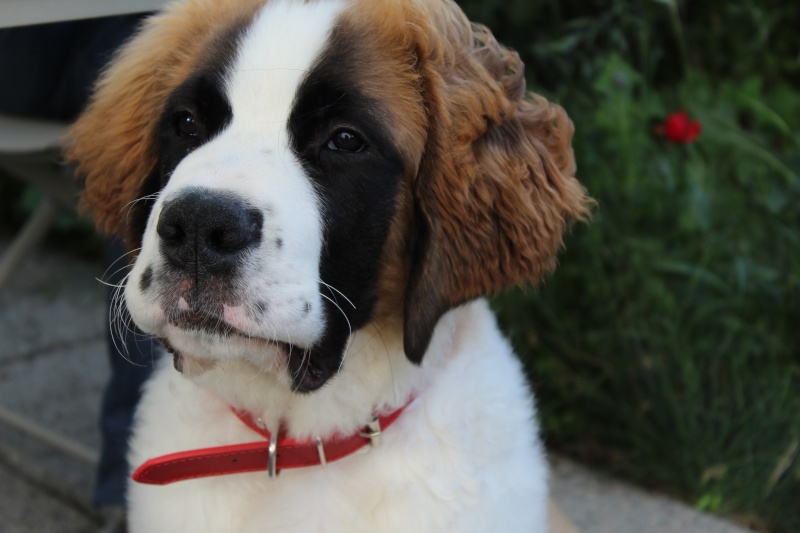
point(113, 143)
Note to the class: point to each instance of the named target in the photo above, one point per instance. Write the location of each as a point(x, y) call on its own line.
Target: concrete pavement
point(52, 371)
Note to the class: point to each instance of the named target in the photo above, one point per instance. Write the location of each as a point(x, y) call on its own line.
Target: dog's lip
point(189, 321)
point(204, 321)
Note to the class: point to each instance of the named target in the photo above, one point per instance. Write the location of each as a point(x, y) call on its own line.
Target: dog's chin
point(198, 344)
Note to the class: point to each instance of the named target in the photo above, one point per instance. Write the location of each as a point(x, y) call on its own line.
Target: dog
point(320, 195)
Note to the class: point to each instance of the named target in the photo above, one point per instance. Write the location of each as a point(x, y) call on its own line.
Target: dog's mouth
point(211, 324)
point(215, 326)
point(306, 373)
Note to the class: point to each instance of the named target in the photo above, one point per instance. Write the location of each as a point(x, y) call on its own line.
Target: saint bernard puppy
point(319, 194)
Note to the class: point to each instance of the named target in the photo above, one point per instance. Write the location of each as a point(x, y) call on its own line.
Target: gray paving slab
point(53, 366)
point(59, 389)
point(599, 504)
point(48, 473)
point(25, 508)
point(51, 302)
point(69, 323)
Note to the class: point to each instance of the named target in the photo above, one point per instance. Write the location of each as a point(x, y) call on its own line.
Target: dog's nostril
point(170, 231)
point(222, 241)
point(225, 244)
point(235, 235)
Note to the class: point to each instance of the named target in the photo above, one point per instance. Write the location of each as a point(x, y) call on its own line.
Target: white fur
point(463, 457)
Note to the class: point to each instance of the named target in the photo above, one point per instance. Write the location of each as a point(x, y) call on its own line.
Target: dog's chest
point(463, 457)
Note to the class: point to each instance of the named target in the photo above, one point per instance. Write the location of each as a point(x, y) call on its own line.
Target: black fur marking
point(261, 307)
point(359, 190)
point(203, 96)
point(147, 279)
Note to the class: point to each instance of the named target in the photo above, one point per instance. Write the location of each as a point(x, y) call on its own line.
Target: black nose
point(207, 231)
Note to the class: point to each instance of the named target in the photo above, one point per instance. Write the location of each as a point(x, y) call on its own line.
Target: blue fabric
point(47, 72)
point(129, 371)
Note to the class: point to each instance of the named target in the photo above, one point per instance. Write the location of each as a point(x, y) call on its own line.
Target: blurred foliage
point(12, 212)
point(567, 42)
point(67, 232)
point(665, 346)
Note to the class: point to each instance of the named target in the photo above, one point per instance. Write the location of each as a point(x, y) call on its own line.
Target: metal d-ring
point(321, 451)
point(273, 455)
point(374, 433)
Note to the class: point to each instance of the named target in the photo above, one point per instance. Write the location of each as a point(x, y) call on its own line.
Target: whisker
point(116, 321)
point(135, 201)
point(331, 287)
point(105, 273)
point(120, 322)
point(388, 358)
point(110, 285)
point(349, 327)
point(304, 363)
point(132, 203)
point(341, 311)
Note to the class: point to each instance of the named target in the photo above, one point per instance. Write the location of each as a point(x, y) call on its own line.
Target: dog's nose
point(207, 231)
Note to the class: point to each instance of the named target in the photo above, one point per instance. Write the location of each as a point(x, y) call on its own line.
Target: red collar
point(274, 454)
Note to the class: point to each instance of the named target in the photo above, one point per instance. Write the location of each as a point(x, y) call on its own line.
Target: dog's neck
point(375, 375)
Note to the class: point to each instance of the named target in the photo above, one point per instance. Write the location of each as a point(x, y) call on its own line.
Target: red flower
point(679, 129)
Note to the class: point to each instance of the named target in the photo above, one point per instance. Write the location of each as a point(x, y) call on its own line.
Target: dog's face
point(278, 183)
point(293, 171)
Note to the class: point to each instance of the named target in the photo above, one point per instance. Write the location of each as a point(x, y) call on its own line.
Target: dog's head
point(291, 171)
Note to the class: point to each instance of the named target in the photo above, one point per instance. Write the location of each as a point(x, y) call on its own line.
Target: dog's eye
point(346, 141)
point(186, 124)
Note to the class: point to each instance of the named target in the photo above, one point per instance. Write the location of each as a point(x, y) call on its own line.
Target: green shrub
point(665, 345)
point(68, 231)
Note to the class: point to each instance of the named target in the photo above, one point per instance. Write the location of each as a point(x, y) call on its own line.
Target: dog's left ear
point(496, 186)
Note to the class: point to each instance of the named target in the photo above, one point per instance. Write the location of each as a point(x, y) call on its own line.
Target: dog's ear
point(496, 186)
point(113, 143)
